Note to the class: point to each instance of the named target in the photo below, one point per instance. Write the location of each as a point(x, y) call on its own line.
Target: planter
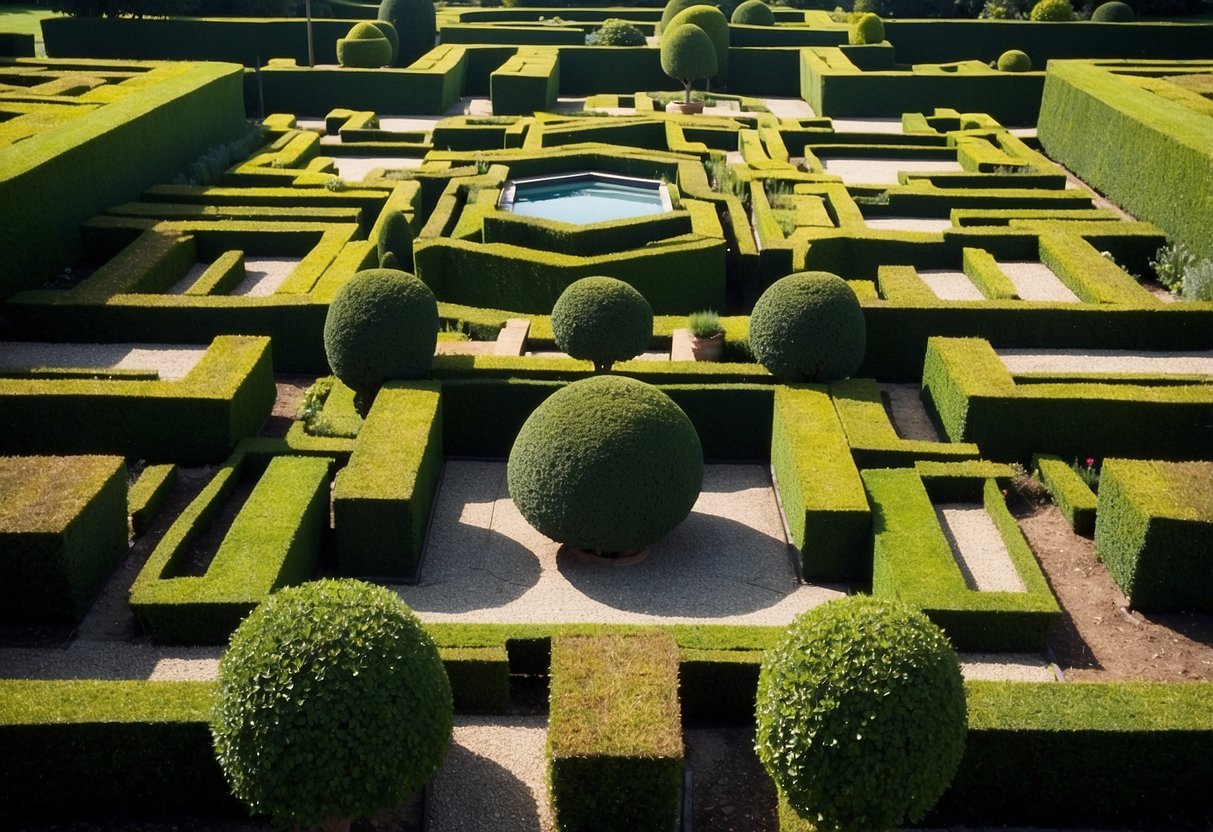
point(707, 349)
point(628, 558)
point(692, 109)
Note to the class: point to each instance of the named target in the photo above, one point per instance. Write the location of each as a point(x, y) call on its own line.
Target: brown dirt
point(290, 393)
point(1099, 638)
point(731, 790)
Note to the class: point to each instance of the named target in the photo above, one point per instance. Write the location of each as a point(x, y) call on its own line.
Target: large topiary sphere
point(365, 47)
point(861, 715)
point(1113, 12)
point(389, 32)
point(714, 24)
point(603, 320)
point(607, 464)
point(808, 326)
point(671, 11)
point(753, 13)
point(1052, 10)
point(416, 27)
point(332, 703)
point(868, 29)
point(1014, 61)
point(383, 324)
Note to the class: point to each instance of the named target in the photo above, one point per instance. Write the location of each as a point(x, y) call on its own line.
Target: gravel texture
point(191, 277)
point(355, 168)
point(727, 563)
point(908, 224)
point(883, 171)
point(1036, 281)
point(908, 413)
point(110, 661)
point(949, 285)
point(789, 107)
point(1002, 667)
point(978, 548)
point(172, 362)
point(867, 125)
point(1107, 361)
point(263, 275)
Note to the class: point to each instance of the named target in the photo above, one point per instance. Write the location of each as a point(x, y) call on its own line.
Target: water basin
point(583, 198)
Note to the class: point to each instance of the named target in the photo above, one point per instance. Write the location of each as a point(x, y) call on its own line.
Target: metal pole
point(311, 43)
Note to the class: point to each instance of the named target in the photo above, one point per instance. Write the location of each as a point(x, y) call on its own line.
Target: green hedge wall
point(1074, 499)
point(586, 70)
point(527, 83)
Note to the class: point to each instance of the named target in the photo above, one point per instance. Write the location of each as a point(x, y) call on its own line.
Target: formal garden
point(548, 416)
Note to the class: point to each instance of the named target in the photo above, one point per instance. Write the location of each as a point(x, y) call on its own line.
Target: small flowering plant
point(1087, 471)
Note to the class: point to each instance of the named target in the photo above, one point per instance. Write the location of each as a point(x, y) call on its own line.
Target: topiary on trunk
point(687, 54)
point(603, 320)
point(715, 25)
point(415, 24)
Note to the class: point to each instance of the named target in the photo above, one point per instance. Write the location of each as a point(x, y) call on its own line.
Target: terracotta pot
point(628, 558)
point(692, 109)
point(707, 349)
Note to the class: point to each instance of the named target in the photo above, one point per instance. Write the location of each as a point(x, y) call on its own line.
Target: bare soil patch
point(291, 390)
point(731, 790)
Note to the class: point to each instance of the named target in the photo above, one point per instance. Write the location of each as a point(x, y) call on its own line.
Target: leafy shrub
point(688, 54)
point(603, 320)
point(704, 324)
point(868, 29)
point(861, 715)
point(1014, 60)
point(1198, 281)
point(808, 327)
point(416, 26)
point(715, 25)
point(364, 47)
point(1052, 10)
point(1004, 10)
point(616, 32)
point(1113, 12)
point(608, 464)
point(396, 239)
point(1170, 264)
point(753, 13)
point(671, 11)
point(332, 704)
point(383, 324)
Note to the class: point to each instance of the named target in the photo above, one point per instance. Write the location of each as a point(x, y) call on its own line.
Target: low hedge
point(382, 498)
point(600, 238)
point(62, 530)
point(479, 676)
point(718, 684)
point(913, 562)
point(1073, 497)
point(614, 749)
point(819, 485)
point(1154, 532)
point(147, 495)
point(274, 541)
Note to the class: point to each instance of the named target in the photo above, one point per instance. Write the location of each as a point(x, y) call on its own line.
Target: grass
point(24, 18)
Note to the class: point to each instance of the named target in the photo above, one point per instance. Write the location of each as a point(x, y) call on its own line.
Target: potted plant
point(687, 53)
point(707, 335)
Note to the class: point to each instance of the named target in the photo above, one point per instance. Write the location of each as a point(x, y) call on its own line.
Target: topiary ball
point(1014, 61)
point(861, 715)
point(383, 324)
point(1052, 10)
point(714, 24)
point(1114, 12)
point(332, 702)
point(868, 29)
point(808, 326)
point(687, 54)
point(671, 10)
point(603, 320)
point(607, 464)
point(365, 47)
point(753, 13)
point(416, 26)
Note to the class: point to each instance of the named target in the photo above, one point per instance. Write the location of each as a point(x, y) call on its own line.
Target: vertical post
point(311, 43)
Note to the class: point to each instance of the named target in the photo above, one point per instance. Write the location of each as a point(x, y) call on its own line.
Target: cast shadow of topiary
point(497, 792)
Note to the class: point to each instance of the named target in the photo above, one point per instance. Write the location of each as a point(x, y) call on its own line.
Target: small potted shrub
point(707, 335)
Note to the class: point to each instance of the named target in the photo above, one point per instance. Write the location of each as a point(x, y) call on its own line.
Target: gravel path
point(1001, 667)
point(1036, 281)
point(728, 563)
point(111, 660)
point(355, 168)
point(191, 277)
point(263, 275)
point(908, 413)
point(883, 171)
point(948, 285)
point(867, 125)
point(978, 548)
point(789, 107)
point(1107, 361)
point(908, 224)
point(170, 361)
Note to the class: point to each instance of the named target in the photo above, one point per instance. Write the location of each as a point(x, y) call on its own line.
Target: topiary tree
point(861, 715)
point(1114, 12)
point(808, 326)
point(396, 238)
point(1052, 10)
point(332, 704)
point(753, 13)
point(383, 324)
point(608, 464)
point(603, 320)
point(688, 54)
point(1014, 61)
point(671, 10)
point(364, 47)
point(389, 32)
point(616, 32)
point(713, 22)
point(415, 24)
point(868, 29)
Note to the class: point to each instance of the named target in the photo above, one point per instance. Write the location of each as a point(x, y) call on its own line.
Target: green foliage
point(1170, 265)
point(381, 325)
point(389, 32)
point(705, 323)
point(715, 25)
point(603, 320)
point(615, 32)
point(415, 23)
point(868, 29)
point(1052, 10)
point(671, 10)
point(808, 327)
point(365, 47)
point(753, 13)
point(1013, 60)
point(608, 464)
point(1113, 12)
point(1072, 488)
point(332, 702)
point(396, 239)
point(861, 715)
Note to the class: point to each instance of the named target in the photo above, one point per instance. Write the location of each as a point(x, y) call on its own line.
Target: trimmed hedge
point(479, 677)
point(382, 498)
point(62, 531)
point(527, 83)
point(147, 494)
point(274, 541)
point(1154, 532)
point(614, 749)
point(1074, 499)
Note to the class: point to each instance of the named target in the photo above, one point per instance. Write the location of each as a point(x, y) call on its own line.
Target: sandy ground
point(355, 168)
point(949, 285)
point(867, 125)
point(171, 362)
point(1036, 281)
point(979, 549)
point(728, 563)
point(907, 412)
point(263, 275)
point(1019, 667)
point(111, 660)
point(1107, 361)
point(789, 107)
point(883, 171)
point(926, 224)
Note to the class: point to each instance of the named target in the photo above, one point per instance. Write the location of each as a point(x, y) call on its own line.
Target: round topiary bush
point(808, 326)
point(603, 320)
point(1052, 10)
point(1014, 61)
point(715, 25)
point(671, 11)
point(868, 29)
point(332, 704)
point(753, 13)
point(1114, 12)
point(608, 464)
point(383, 324)
point(861, 715)
point(616, 32)
point(389, 32)
point(396, 238)
point(416, 26)
point(364, 47)
point(687, 54)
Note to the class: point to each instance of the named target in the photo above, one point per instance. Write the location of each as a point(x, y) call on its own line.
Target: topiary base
point(628, 557)
point(692, 109)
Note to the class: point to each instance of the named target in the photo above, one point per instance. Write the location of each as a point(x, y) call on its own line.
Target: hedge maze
point(1026, 243)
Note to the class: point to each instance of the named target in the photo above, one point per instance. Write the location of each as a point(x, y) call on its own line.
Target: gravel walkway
point(978, 548)
point(1107, 361)
point(1003, 667)
point(948, 285)
point(933, 226)
point(908, 413)
point(728, 563)
point(263, 275)
point(883, 171)
point(867, 125)
point(355, 168)
point(1036, 281)
point(789, 107)
point(110, 661)
point(172, 362)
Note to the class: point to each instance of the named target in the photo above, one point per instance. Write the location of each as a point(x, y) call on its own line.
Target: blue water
point(586, 201)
